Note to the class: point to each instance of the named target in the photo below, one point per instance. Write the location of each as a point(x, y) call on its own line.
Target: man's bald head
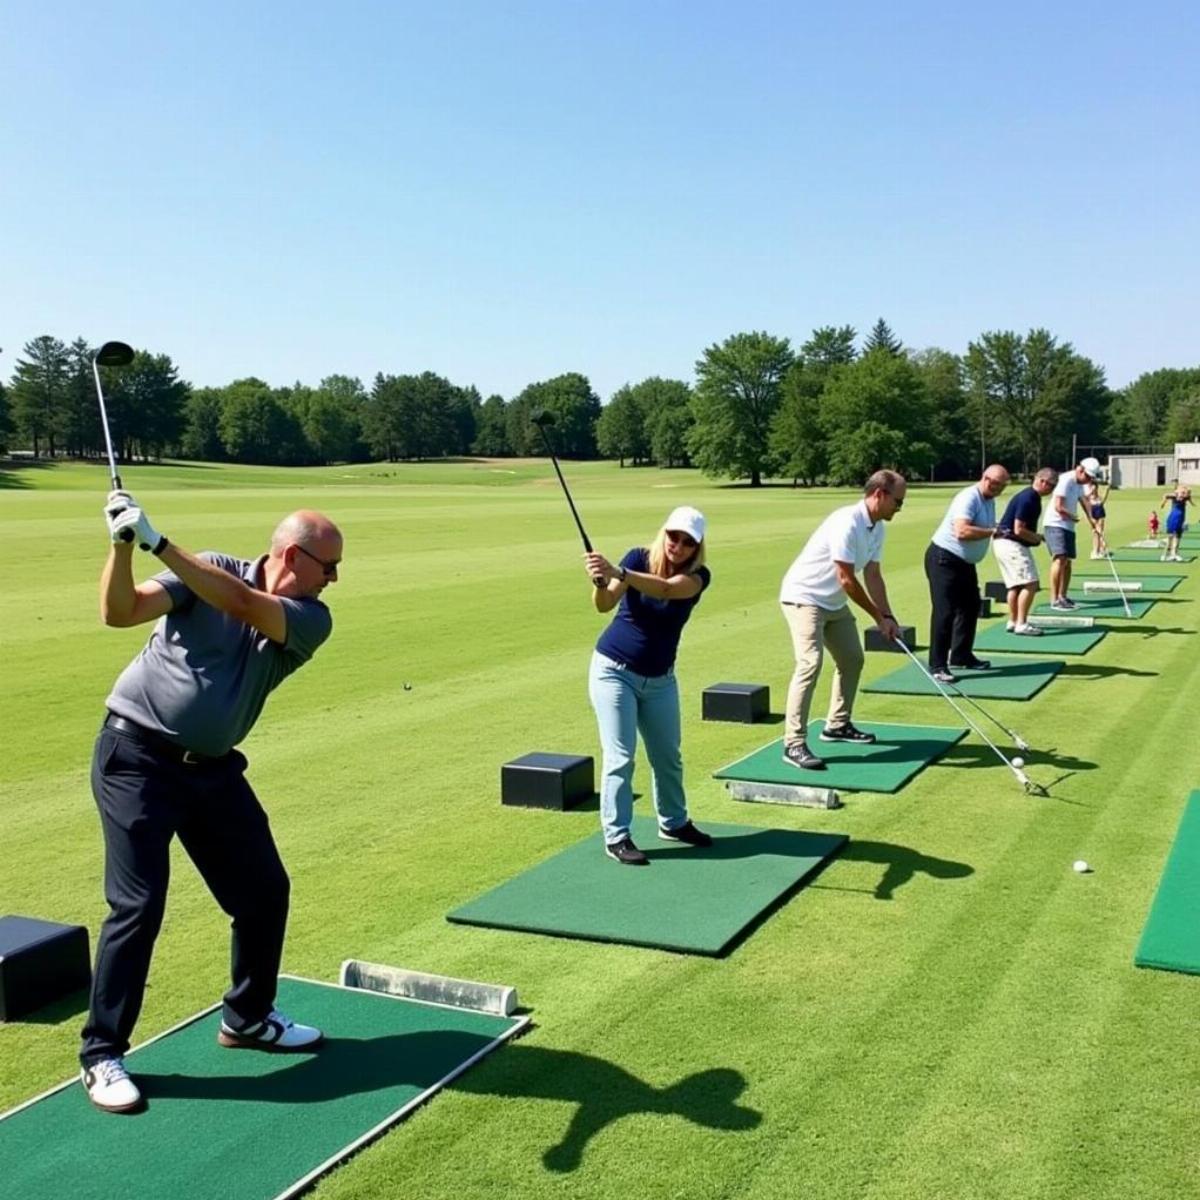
point(304, 527)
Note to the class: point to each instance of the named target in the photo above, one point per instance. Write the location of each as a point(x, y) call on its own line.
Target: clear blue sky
point(501, 192)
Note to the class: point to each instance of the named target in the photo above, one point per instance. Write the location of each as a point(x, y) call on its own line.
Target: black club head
point(114, 354)
point(541, 418)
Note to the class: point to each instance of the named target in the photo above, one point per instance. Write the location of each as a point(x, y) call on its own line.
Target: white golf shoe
point(109, 1087)
point(275, 1032)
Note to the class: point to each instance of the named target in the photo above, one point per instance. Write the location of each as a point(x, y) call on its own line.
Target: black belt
point(158, 743)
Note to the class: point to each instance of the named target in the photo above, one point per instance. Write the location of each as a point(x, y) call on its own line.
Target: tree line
point(831, 411)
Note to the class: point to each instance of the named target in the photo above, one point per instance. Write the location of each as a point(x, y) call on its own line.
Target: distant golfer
point(1059, 527)
point(815, 598)
point(1096, 499)
point(1016, 535)
point(958, 545)
point(229, 631)
point(632, 678)
point(1178, 499)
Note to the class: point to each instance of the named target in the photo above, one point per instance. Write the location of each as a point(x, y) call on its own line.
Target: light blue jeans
point(626, 703)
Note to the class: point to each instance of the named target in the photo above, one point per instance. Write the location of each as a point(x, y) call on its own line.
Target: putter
point(1112, 566)
point(543, 419)
point(111, 354)
point(1028, 784)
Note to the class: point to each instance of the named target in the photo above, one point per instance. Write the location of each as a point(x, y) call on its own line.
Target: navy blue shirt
point(644, 634)
point(1025, 506)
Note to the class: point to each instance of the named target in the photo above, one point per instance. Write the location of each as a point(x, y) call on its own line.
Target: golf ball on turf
point(408, 687)
point(1018, 762)
point(1081, 866)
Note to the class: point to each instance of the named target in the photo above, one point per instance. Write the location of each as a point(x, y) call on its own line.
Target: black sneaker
point(976, 664)
point(686, 832)
point(626, 852)
point(944, 676)
point(799, 755)
point(846, 733)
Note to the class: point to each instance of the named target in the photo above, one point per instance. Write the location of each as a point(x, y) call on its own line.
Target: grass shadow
point(972, 756)
point(901, 864)
point(1095, 671)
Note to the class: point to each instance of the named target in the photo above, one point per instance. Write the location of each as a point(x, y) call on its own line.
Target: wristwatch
point(621, 573)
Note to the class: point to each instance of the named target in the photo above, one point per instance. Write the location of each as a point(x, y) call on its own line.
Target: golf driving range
point(855, 1002)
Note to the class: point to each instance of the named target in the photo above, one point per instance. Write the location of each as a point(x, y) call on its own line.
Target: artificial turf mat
point(240, 1124)
point(1150, 583)
point(1095, 604)
point(885, 766)
point(1052, 641)
point(1006, 679)
point(1171, 937)
point(1133, 554)
point(699, 901)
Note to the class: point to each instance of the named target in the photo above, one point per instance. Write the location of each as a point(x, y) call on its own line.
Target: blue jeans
point(626, 703)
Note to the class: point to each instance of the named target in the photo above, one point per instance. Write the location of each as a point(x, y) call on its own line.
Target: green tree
point(670, 431)
point(621, 428)
point(738, 390)
point(257, 426)
point(949, 432)
point(1141, 412)
point(79, 426)
point(491, 431)
point(1183, 417)
point(830, 346)
point(6, 426)
point(201, 435)
point(882, 338)
point(798, 441)
point(40, 391)
point(575, 407)
point(332, 421)
point(153, 401)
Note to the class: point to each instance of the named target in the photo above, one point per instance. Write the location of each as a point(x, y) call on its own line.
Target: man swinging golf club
point(815, 598)
point(229, 631)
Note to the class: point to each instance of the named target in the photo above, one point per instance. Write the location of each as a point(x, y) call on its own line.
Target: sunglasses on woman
point(684, 539)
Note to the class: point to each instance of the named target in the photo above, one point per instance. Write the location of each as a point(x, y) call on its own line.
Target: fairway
point(946, 1010)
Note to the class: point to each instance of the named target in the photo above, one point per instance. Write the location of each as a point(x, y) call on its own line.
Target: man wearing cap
point(958, 545)
point(1013, 547)
point(1067, 500)
point(228, 632)
point(815, 598)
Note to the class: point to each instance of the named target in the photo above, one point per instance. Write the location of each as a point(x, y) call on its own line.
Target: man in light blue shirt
point(960, 542)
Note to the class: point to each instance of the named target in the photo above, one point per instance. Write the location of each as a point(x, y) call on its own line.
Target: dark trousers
point(146, 797)
point(954, 592)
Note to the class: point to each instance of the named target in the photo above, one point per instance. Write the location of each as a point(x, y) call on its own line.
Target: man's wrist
point(621, 572)
point(162, 544)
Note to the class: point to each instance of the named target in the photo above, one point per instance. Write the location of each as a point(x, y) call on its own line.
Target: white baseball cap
point(1091, 467)
point(686, 519)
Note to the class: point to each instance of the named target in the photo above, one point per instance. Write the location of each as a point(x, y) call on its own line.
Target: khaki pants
point(813, 628)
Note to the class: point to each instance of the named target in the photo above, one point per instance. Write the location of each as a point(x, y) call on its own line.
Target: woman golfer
point(1179, 499)
point(632, 681)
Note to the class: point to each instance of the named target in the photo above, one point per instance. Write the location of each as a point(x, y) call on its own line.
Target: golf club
point(543, 419)
point(111, 354)
point(1112, 566)
point(1028, 784)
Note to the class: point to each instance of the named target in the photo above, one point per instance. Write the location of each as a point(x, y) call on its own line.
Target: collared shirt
point(972, 506)
point(847, 536)
point(1069, 490)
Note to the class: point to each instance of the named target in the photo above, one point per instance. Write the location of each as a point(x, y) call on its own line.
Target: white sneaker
point(1176, 558)
point(276, 1032)
point(1027, 630)
point(1010, 626)
point(109, 1087)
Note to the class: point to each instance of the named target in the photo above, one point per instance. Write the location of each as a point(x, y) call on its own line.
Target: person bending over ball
point(1016, 535)
point(632, 682)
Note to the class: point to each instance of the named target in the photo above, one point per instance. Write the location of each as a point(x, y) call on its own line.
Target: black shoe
point(686, 832)
point(799, 755)
point(626, 852)
point(846, 733)
point(976, 664)
point(944, 676)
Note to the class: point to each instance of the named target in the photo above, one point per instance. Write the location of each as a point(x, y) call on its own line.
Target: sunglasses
point(684, 539)
point(330, 568)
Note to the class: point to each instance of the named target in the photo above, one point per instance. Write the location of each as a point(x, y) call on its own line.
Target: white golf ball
point(1018, 762)
point(1081, 866)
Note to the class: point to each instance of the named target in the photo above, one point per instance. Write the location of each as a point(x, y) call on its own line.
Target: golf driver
point(1028, 784)
point(543, 419)
point(1112, 566)
point(111, 354)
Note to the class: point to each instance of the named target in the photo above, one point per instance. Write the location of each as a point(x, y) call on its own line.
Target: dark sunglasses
point(330, 568)
point(685, 538)
point(899, 503)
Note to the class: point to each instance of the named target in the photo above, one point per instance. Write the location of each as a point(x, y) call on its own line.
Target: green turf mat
point(1150, 583)
point(886, 766)
point(1100, 605)
point(240, 1124)
point(1133, 554)
point(1171, 937)
point(1007, 679)
point(699, 901)
point(1052, 641)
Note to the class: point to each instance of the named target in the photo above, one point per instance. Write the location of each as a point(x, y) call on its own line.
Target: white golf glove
point(117, 503)
point(138, 524)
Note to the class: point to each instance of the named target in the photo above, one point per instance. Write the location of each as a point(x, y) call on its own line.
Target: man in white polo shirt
point(815, 599)
point(1066, 502)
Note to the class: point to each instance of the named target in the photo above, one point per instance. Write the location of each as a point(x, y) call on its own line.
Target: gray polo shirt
point(976, 509)
point(203, 677)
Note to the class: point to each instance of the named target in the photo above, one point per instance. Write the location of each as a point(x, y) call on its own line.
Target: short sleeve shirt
point(1070, 490)
point(644, 632)
point(846, 536)
point(203, 677)
point(1026, 507)
point(972, 506)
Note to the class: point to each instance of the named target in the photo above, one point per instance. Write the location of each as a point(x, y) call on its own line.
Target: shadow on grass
point(901, 864)
point(17, 472)
point(63, 1009)
point(602, 1091)
point(1095, 671)
point(972, 755)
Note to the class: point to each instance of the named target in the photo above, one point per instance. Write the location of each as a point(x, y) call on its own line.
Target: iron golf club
point(1023, 779)
point(1112, 566)
point(543, 419)
point(111, 354)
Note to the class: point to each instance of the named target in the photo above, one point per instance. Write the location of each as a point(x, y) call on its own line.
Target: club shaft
point(1112, 566)
point(587, 545)
point(112, 458)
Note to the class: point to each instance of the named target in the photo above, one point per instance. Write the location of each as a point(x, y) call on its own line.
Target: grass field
point(949, 1011)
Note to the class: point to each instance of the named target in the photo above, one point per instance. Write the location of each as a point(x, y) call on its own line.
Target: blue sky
point(503, 192)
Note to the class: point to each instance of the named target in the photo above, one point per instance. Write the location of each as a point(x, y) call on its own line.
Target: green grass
point(980, 1033)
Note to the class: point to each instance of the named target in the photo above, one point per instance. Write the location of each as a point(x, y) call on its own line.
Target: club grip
point(127, 535)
